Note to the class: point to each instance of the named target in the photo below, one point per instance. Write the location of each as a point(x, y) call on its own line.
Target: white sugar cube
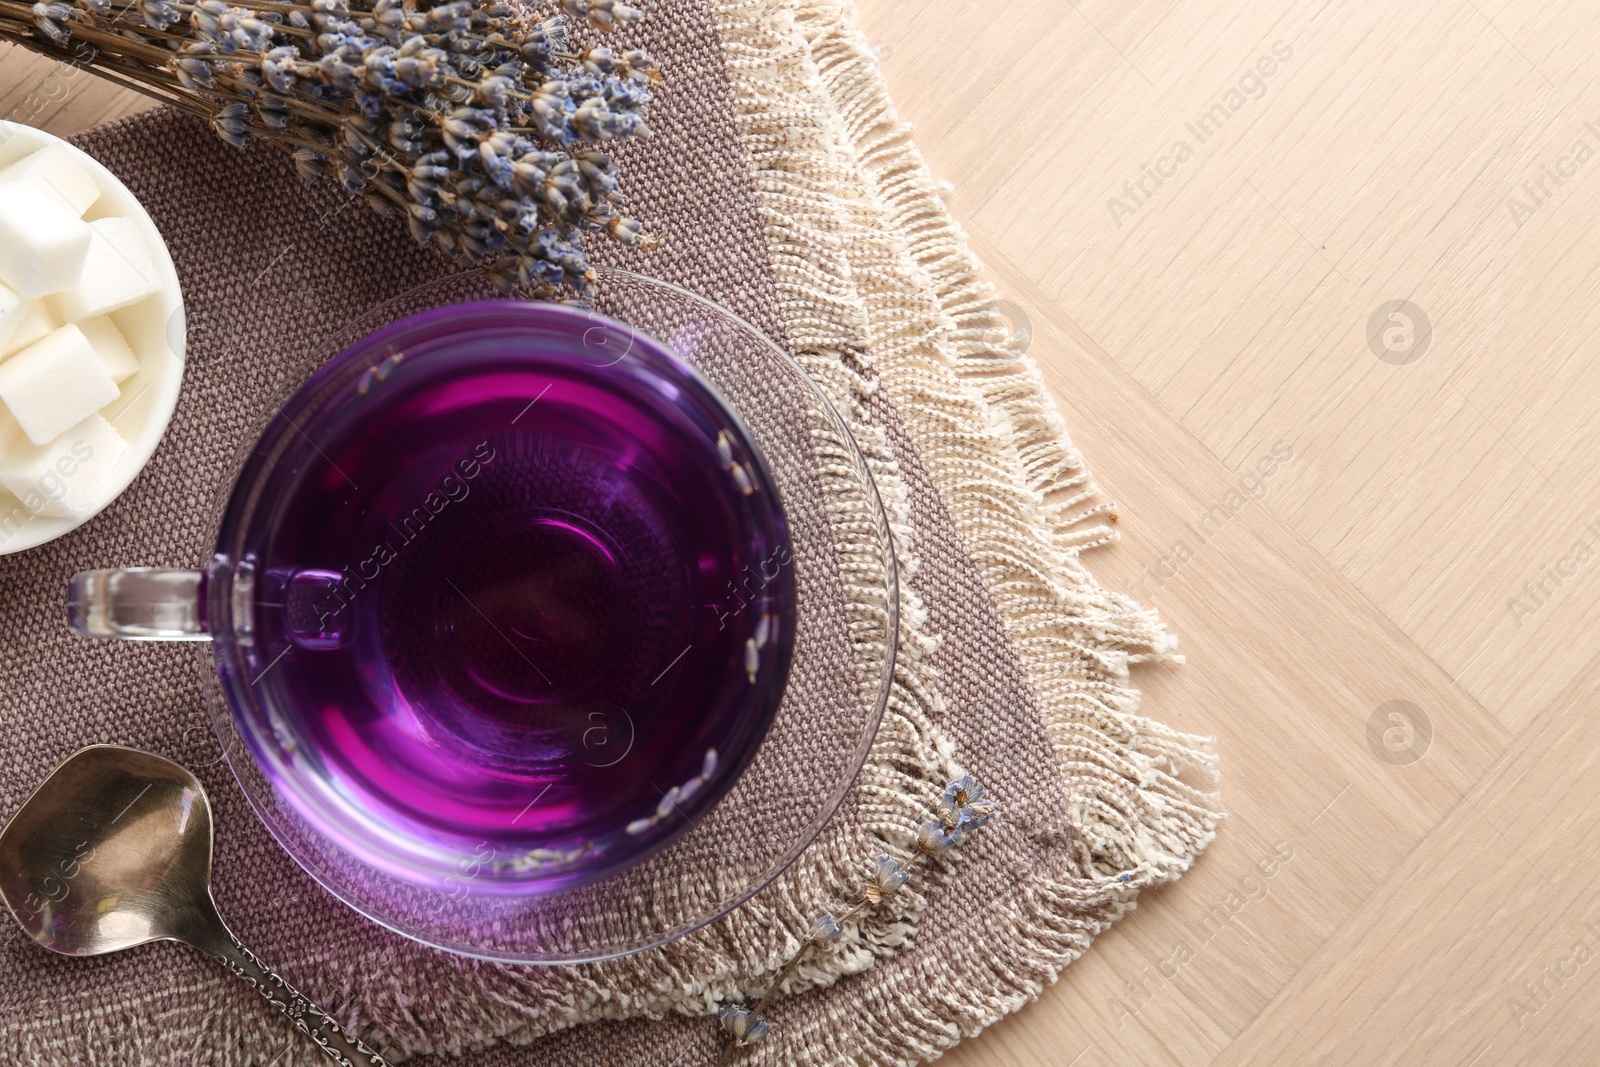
point(66, 478)
point(57, 169)
point(12, 309)
point(112, 348)
point(36, 323)
point(43, 245)
point(54, 384)
point(117, 272)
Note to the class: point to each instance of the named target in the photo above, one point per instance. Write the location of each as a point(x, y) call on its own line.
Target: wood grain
point(1429, 542)
point(1339, 538)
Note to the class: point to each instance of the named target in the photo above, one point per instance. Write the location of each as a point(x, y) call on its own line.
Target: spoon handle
point(345, 1048)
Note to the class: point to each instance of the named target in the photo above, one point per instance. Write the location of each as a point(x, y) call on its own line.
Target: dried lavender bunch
point(959, 811)
point(473, 120)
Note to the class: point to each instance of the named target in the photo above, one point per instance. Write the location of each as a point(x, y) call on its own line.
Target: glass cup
point(502, 604)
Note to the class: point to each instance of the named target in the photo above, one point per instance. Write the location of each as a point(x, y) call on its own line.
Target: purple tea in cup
point(504, 591)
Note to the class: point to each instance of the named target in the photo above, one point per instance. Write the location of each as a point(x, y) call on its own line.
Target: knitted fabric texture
point(786, 189)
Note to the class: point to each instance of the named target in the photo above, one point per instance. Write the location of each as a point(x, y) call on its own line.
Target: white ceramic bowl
point(154, 329)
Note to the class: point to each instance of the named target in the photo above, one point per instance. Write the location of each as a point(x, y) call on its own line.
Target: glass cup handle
point(138, 604)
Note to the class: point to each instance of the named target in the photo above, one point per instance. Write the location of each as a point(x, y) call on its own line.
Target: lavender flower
point(158, 14)
point(960, 809)
point(964, 790)
point(280, 67)
point(229, 122)
point(452, 114)
point(934, 840)
point(888, 875)
point(740, 1025)
point(602, 14)
point(963, 808)
point(972, 817)
point(51, 20)
point(824, 929)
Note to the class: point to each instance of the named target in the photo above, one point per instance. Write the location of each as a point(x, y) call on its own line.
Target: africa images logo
point(1399, 332)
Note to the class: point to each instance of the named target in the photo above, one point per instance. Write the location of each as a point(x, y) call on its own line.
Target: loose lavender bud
point(453, 16)
point(423, 68)
point(405, 137)
point(462, 127)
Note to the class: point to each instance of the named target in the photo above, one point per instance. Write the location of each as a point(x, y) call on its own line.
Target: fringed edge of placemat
point(1020, 494)
point(911, 760)
point(1006, 425)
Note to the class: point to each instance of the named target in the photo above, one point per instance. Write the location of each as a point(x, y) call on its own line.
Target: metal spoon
point(113, 850)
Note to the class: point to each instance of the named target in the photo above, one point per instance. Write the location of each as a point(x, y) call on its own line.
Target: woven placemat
point(786, 190)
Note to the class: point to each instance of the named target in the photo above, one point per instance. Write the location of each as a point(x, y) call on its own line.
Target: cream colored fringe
point(875, 276)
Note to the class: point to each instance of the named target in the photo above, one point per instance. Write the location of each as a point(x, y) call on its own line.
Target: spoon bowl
point(113, 850)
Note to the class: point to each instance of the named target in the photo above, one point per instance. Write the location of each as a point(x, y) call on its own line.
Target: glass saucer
point(838, 682)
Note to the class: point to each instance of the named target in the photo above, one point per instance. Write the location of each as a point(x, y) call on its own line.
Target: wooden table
point(1315, 286)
